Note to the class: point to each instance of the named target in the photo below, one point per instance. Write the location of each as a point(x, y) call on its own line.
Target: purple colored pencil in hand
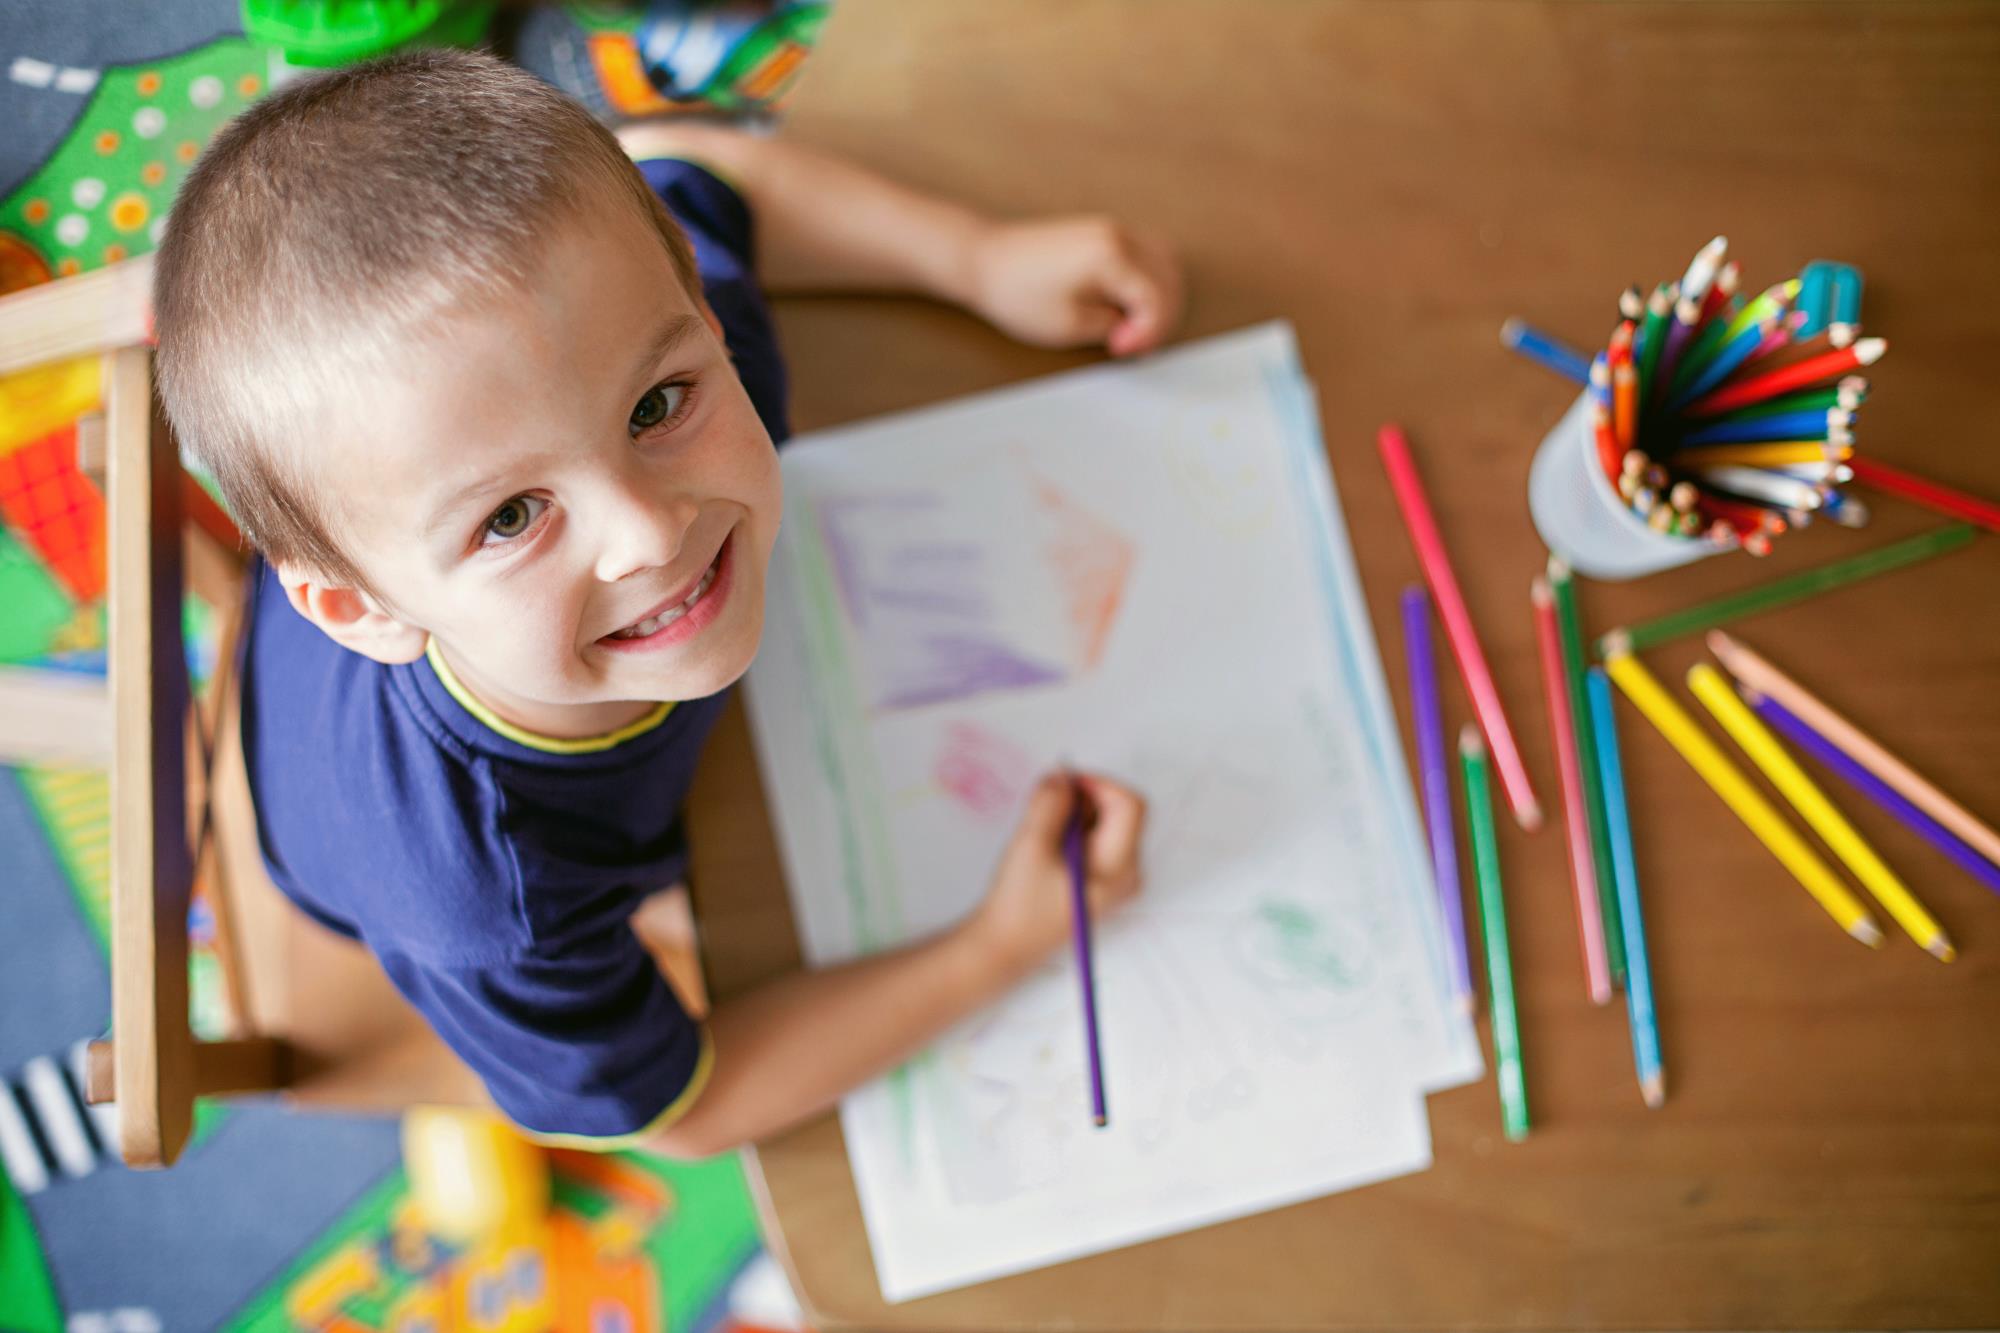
point(1080, 919)
point(1435, 780)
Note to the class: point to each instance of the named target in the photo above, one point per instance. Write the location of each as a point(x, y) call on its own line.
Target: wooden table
point(1396, 179)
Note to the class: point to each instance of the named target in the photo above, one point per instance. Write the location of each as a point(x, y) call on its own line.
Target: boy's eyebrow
point(671, 335)
point(677, 330)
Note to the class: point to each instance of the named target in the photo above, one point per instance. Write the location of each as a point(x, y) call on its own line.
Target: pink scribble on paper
point(985, 773)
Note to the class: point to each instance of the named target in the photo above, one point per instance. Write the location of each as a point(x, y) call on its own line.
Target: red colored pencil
point(1609, 456)
point(1718, 295)
point(1755, 389)
point(1582, 864)
point(1424, 536)
point(1619, 350)
point(1930, 494)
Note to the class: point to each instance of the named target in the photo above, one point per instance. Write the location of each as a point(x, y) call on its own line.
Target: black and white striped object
point(47, 1131)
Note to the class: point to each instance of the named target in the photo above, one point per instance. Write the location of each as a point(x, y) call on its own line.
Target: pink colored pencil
point(1582, 864)
point(1429, 544)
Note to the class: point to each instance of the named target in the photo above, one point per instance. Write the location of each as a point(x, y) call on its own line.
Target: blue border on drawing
point(1360, 658)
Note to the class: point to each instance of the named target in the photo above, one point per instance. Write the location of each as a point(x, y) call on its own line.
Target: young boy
point(503, 431)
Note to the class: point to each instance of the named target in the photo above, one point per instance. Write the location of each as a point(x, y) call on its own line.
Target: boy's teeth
point(653, 624)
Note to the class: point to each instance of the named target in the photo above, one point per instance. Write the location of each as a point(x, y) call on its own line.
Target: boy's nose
point(639, 530)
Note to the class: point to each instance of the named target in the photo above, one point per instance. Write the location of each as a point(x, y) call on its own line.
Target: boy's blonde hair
point(326, 226)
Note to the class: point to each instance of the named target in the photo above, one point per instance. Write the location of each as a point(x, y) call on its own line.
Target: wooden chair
point(314, 1017)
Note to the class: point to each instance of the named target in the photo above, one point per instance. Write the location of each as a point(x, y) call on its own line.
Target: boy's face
point(570, 491)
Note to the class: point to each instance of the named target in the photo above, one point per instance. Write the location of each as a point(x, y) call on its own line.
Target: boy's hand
point(1066, 282)
point(1027, 912)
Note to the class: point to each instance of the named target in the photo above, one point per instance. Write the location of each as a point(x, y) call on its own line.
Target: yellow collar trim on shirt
point(704, 1065)
point(520, 735)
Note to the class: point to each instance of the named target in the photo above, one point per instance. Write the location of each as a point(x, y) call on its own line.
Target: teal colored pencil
point(1638, 965)
point(1493, 925)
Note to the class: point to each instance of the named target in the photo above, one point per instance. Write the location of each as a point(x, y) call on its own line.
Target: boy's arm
point(792, 1048)
point(825, 225)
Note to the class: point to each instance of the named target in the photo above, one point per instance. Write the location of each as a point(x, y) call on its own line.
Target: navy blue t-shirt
point(493, 872)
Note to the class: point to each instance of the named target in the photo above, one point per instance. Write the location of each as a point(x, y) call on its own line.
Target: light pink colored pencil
point(1458, 629)
point(1582, 862)
point(1761, 676)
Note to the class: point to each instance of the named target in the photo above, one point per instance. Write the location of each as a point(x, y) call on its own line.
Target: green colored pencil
point(1843, 394)
point(1653, 339)
point(1493, 925)
point(1705, 345)
point(1569, 626)
point(1798, 587)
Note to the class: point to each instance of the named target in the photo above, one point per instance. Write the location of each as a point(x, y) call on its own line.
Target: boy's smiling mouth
point(680, 619)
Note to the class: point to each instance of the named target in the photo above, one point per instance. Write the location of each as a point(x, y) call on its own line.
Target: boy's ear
point(353, 619)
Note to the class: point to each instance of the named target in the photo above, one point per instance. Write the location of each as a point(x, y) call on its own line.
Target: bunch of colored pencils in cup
point(1722, 419)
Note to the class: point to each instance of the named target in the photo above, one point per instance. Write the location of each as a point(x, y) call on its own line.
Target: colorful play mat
point(275, 1220)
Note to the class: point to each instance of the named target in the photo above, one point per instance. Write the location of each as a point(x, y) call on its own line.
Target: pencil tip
point(1653, 1088)
point(1615, 643)
point(1530, 817)
point(1869, 350)
point(1469, 742)
point(1941, 949)
point(1100, 1121)
point(1867, 932)
point(1538, 591)
point(1510, 332)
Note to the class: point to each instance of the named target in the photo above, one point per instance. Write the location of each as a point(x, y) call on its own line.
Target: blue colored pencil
point(1436, 781)
point(1854, 774)
point(1625, 871)
point(1733, 354)
point(1807, 425)
point(1557, 355)
point(1080, 921)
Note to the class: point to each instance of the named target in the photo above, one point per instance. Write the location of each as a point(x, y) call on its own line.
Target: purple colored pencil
point(1436, 781)
point(1086, 975)
point(1844, 765)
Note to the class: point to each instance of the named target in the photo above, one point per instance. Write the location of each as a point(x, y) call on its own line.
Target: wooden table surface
point(1396, 179)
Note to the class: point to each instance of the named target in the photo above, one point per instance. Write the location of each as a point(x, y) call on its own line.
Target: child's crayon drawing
point(984, 772)
point(946, 608)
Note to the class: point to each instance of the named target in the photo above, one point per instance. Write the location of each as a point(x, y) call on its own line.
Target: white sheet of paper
point(1142, 569)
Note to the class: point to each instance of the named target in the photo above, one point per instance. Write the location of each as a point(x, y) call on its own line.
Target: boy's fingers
point(1049, 804)
point(1120, 816)
point(1137, 293)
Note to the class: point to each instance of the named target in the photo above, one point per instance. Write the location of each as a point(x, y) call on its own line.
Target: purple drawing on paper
point(942, 615)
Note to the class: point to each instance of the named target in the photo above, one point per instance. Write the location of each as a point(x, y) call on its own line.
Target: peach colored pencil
point(1417, 516)
point(1760, 675)
point(1582, 863)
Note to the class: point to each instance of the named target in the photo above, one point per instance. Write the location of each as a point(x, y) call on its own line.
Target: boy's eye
point(660, 403)
point(512, 519)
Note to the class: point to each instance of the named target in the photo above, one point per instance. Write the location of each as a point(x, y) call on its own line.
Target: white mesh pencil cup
point(1583, 519)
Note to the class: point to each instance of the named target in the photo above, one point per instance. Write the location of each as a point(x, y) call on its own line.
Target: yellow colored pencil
point(1743, 800)
point(1779, 453)
point(1820, 814)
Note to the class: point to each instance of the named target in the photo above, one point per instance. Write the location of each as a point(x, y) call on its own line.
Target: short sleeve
point(722, 230)
point(585, 1049)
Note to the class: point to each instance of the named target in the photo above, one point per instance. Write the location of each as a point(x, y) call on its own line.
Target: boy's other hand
point(1027, 912)
point(1068, 282)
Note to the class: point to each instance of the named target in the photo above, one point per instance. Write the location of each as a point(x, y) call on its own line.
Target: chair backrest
point(154, 1068)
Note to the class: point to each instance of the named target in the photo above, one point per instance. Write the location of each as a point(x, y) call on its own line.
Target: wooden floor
point(1396, 179)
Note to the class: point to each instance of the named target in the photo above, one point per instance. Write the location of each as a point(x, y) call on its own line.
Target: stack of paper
point(1141, 568)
